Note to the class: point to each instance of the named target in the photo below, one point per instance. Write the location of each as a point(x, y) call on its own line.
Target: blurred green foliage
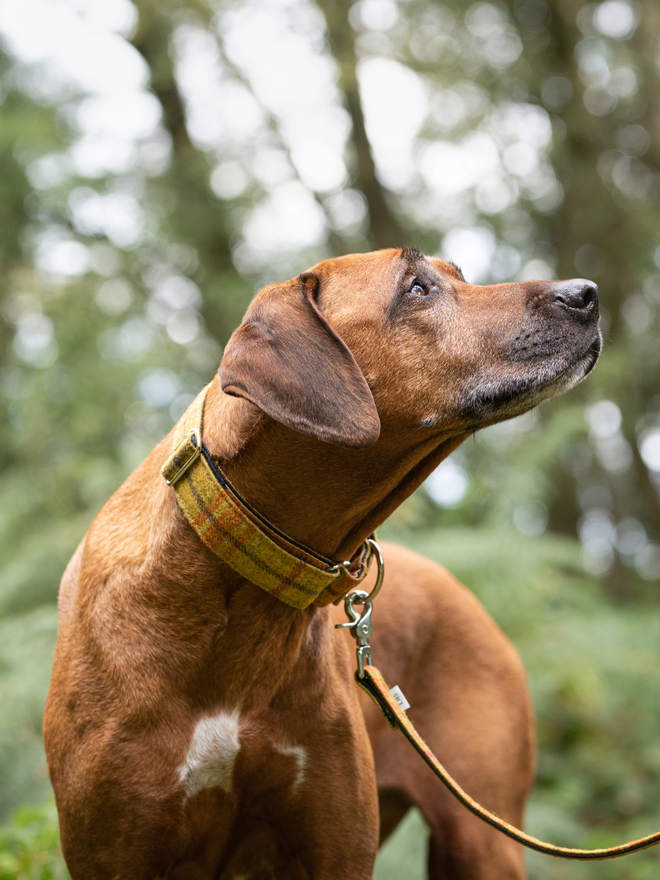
point(105, 337)
point(594, 678)
point(29, 847)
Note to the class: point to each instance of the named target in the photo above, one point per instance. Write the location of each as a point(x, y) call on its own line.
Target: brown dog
point(199, 728)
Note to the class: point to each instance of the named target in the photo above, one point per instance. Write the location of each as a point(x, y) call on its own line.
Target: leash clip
point(360, 624)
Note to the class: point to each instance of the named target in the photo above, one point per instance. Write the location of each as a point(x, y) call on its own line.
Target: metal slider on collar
point(194, 443)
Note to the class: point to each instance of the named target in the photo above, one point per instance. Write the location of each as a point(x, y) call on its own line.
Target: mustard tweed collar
point(240, 536)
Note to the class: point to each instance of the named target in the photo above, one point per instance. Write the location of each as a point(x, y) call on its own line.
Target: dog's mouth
point(584, 364)
point(593, 353)
point(492, 401)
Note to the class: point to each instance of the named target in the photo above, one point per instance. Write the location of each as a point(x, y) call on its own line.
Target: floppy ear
point(288, 360)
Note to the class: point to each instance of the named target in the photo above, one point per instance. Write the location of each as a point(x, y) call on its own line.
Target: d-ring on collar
point(241, 537)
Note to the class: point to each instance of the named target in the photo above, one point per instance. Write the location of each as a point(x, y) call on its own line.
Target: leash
point(393, 705)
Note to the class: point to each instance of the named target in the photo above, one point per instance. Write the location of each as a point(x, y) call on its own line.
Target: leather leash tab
point(374, 684)
point(241, 537)
point(367, 684)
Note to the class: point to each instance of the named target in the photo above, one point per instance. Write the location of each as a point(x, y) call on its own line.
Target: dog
point(200, 727)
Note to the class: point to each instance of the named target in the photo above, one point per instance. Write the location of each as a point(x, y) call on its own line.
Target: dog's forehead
point(369, 278)
point(416, 261)
point(447, 268)
point(375, 279)
point(389, 262)
point(375, 270)
point(386, 260)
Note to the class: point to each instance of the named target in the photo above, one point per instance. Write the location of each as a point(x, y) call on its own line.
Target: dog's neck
point(324, 496)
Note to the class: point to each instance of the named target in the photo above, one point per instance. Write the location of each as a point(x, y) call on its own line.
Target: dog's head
point(397, 341)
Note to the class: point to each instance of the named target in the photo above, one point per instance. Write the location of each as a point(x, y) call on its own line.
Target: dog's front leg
point(308, 789)
point(327, 817)
point(330, 833)
point(343, 796)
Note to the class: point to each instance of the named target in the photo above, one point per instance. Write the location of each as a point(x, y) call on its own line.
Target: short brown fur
point(393, 360)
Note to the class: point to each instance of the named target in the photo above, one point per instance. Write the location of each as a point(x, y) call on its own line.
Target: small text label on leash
point(398, 695)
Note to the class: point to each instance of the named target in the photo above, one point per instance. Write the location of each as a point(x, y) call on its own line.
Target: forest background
point(159, 161)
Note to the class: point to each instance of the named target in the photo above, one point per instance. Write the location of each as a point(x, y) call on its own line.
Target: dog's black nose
point(579, 294)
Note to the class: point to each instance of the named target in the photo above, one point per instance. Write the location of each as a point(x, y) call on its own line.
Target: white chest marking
point(211, 754)
point(299, 754)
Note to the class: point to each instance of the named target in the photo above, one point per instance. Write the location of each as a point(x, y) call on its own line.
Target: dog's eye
point(417, 288)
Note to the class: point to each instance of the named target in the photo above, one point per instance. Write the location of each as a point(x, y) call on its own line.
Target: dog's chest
point(226, 749)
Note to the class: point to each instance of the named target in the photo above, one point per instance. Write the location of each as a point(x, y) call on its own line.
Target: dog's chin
point(574, 374)
point(493, 402)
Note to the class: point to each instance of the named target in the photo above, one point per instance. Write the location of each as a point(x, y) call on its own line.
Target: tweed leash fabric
point(236, 533)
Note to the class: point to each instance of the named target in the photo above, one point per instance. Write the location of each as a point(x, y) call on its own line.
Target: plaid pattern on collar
point(236, 533)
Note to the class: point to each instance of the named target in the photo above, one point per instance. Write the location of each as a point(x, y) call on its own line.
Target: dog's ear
point(286, 358)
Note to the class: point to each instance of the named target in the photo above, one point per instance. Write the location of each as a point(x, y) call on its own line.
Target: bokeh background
point(160, 160)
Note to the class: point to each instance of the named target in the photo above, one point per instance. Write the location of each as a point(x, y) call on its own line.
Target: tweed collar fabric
point(240, 536)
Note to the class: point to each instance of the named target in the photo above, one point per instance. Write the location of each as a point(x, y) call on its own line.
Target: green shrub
point(30, 846)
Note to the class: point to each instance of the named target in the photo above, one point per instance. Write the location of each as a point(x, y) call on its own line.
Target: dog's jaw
point(579, 371)
point(489, 401)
